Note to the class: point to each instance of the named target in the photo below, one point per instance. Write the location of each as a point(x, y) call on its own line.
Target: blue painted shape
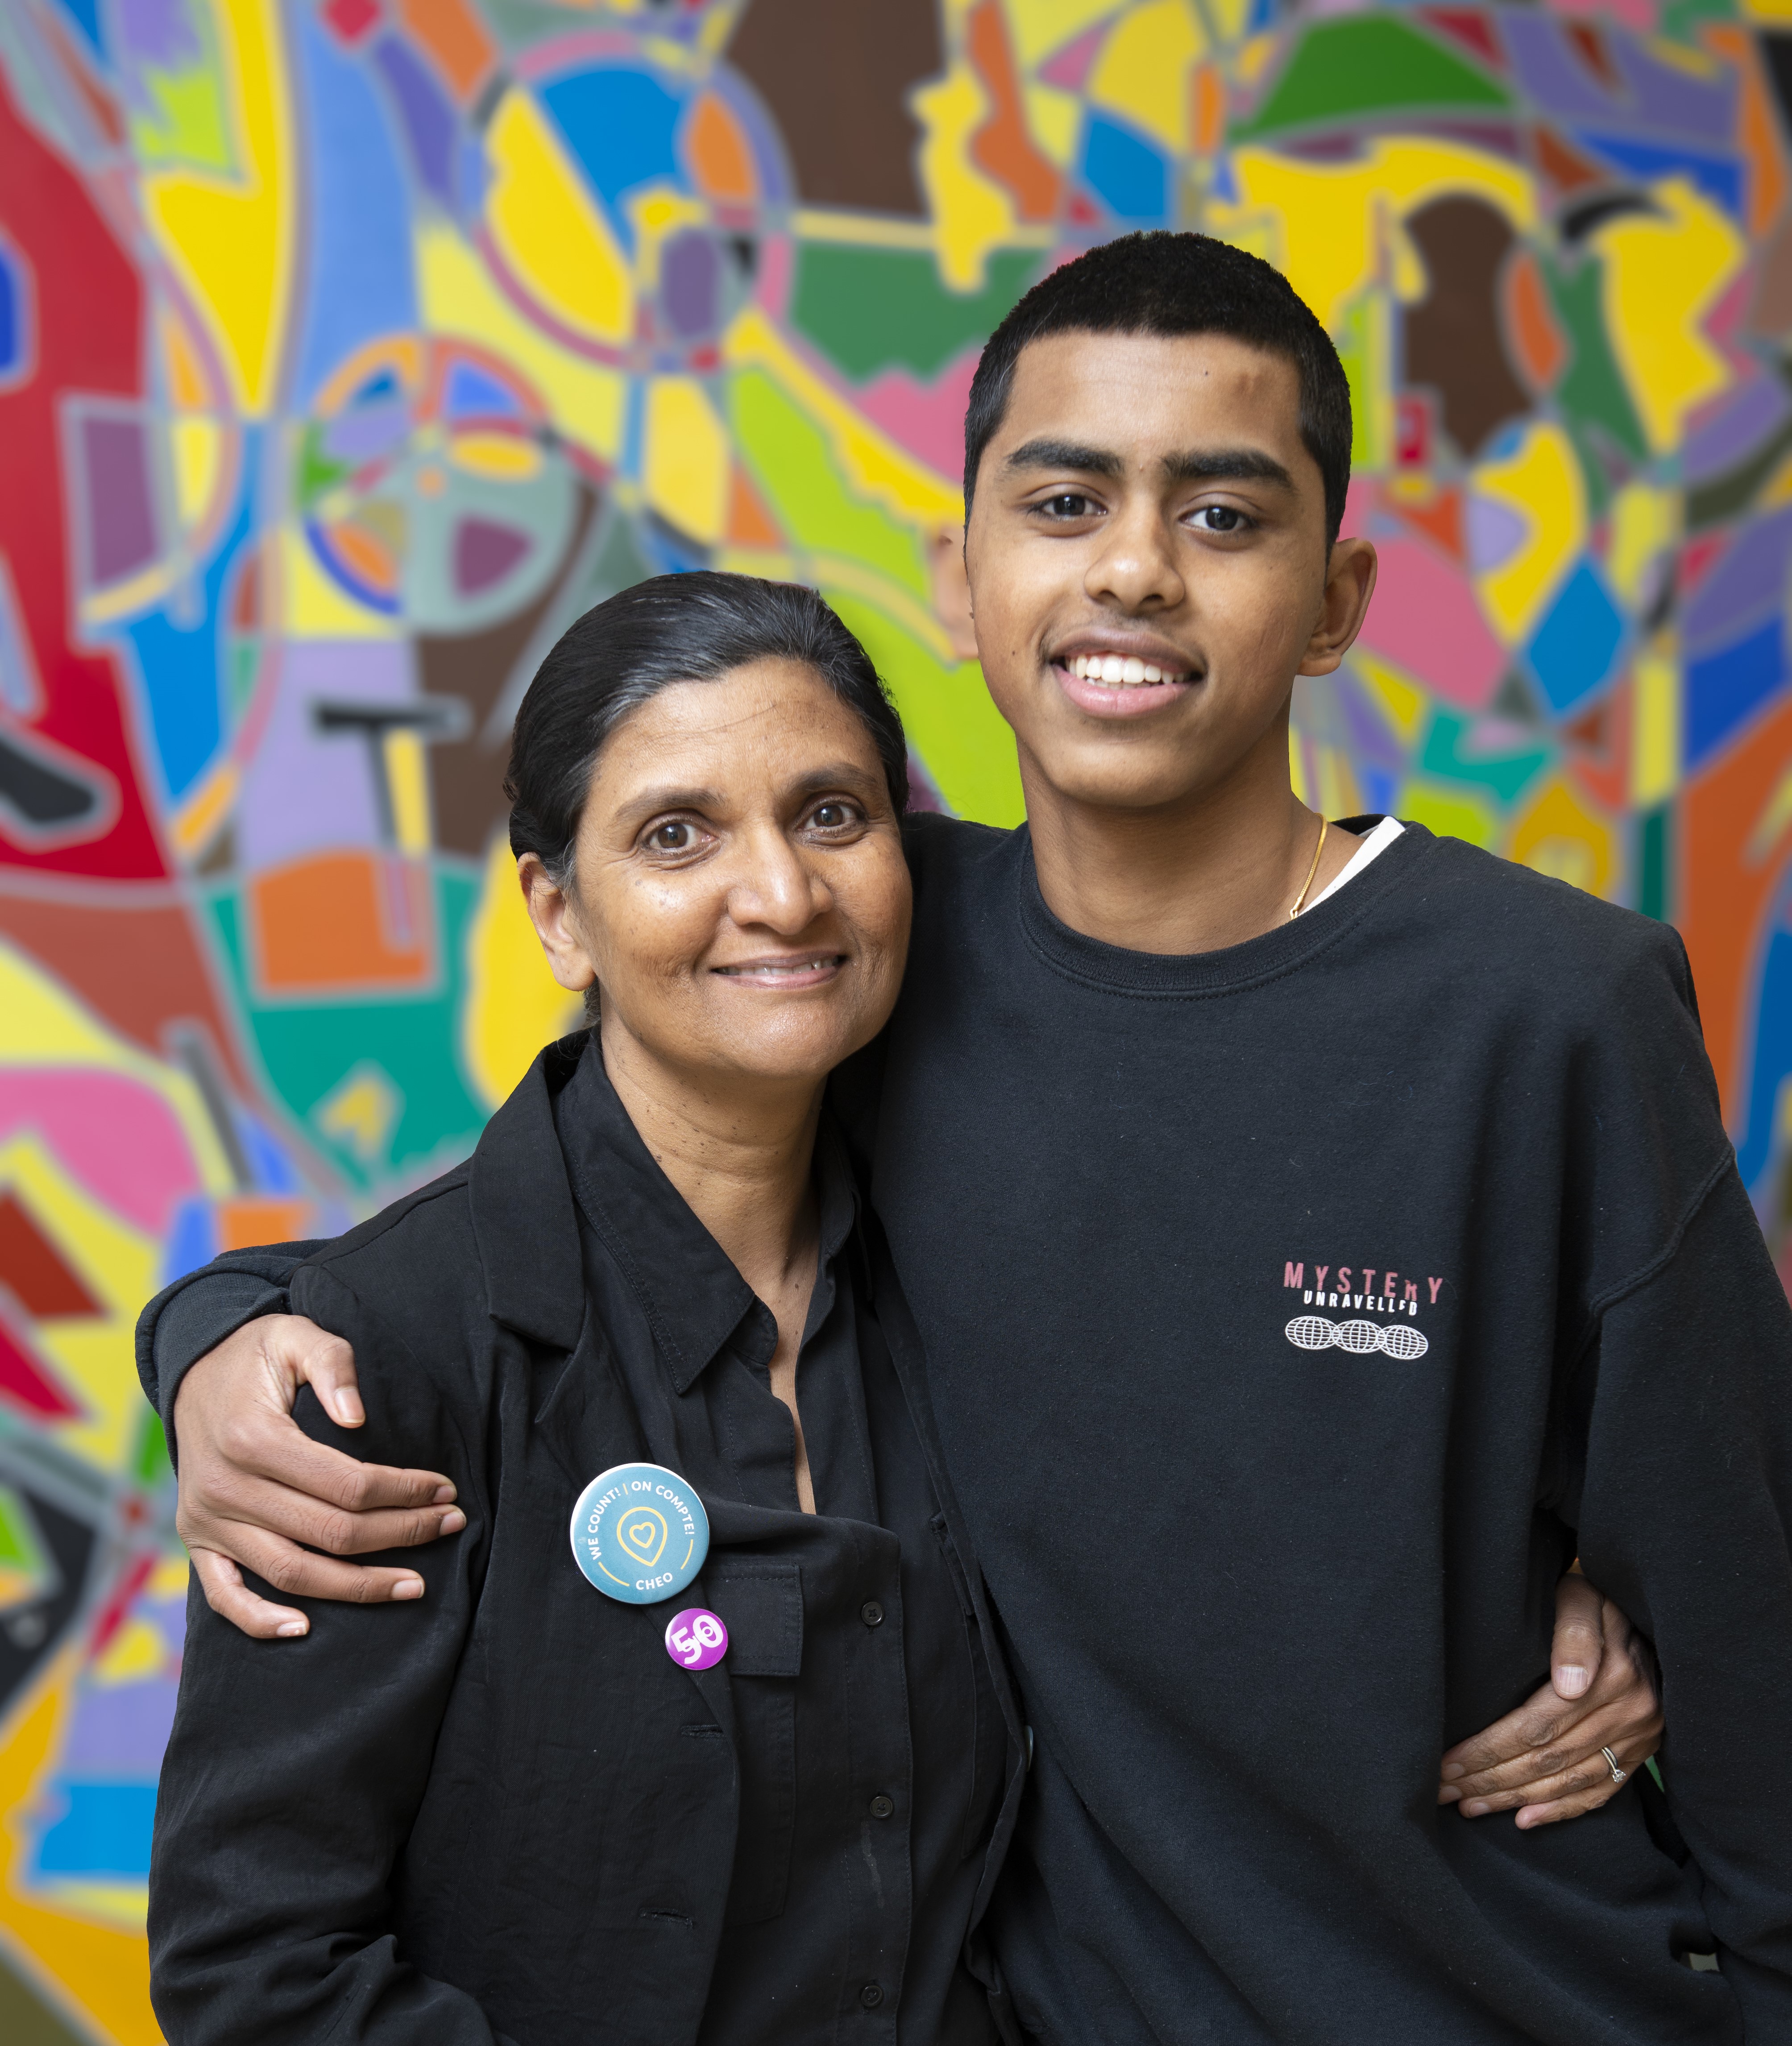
point(192, 1241)
point(181, 666)
point(85, 15)
point(473, 392)
point(273, 1170)
point(12, 309)
point(1125, 171)
point(105, 1832)
point(357, 215)
point(1719, 178)
point(1772, 1058)
point(621, 124)
point(1724, 688)
point(1575, 646)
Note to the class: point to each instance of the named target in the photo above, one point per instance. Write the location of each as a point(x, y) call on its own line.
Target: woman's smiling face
point(738, 892)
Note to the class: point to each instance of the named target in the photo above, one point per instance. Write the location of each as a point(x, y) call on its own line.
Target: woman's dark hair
point(1158, 282)
point(671, 628)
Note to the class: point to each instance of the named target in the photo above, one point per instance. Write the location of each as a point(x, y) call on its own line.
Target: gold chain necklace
point(1312, 870)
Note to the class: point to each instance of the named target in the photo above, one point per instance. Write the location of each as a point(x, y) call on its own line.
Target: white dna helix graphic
point(1314, 1332)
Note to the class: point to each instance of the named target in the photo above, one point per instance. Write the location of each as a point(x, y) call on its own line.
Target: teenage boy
point(1319, 1239)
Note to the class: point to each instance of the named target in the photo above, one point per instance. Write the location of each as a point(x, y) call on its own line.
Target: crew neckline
point(1370, 848)
point(1288, 945)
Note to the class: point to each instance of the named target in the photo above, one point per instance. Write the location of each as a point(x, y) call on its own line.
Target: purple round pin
point(695, 1639)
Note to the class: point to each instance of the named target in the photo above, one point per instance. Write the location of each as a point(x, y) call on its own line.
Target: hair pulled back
point(671, 628)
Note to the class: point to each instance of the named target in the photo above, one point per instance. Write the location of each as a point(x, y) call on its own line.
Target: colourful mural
point(348, 351)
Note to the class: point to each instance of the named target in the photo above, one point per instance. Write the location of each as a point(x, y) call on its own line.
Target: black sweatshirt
point(1262, 1556)
point(1173, 1229)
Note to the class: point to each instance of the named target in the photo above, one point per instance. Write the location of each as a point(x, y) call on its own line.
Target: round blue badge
point(639, 1533)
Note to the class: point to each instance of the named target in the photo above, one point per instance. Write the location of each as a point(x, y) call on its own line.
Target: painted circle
point(696, 1639)
point(639, 1533)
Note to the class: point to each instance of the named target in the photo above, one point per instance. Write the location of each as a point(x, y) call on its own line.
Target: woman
point(554, 1811)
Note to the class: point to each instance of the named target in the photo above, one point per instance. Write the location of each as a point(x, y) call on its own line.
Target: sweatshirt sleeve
point(296, 1768)
point(1685, 1517)
point(195, 1313)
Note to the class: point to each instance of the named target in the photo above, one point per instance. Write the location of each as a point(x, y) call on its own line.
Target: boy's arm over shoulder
point(197, 1311)
point(295, 1769)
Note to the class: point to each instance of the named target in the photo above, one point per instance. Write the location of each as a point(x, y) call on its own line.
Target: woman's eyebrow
point(1046, 453)
point(668, 798)
point(1226, 464)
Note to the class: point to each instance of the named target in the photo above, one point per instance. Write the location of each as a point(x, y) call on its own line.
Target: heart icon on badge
point(643, 1533)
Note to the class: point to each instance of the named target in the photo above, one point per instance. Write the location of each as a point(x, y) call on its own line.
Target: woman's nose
point(775, 888)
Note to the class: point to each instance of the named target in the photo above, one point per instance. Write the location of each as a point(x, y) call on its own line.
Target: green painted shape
point(1355, 344)
point(150, 1465)
point(26, 2019)
point(1592, 390)
point(308, 1049)
point(318, 471)
point(1723, 496)
point(244, 660)
point(1450, 813)
point(873, 309)
point(1444, 754)
point(795, 467)
point(1368, 63)
point(1654, 846)
point(20, 1549)
point(955, 730)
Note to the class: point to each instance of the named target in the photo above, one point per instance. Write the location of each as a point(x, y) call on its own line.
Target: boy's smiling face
point(1148, 500)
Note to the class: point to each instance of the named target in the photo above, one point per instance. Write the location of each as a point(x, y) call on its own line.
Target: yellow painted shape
point(1228, 19)
point(1142, 72)
point(1541, 481)
point(42, 1024)
point(361, 1112)
point(1299, 779)
point(656, 214)
point(1644, 521)
point(1054, 119)
point(1450, 812)
point(1330, 214)
point(100, 1967)
point(230, 237)
point(169, 1579)
point(1774, 11)
point(313, 605)
point(1560, 836)
point(186, 379)
point(197, 819)
point(136, 1651)
point(456, 296)
point(686, 457)
point(1778, 488)
point(407, 782)
point(514, 1004)
point(1776, 814)
point(1664, 272)
point(551, 229)
point(874, 465)
point(972, 213)
point(1038, 28)
point(196, 449)
point(504, 457)
point(1403, 702)
point(1654, 740)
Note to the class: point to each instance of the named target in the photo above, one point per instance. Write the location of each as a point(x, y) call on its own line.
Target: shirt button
point(872, 1615)
point(871, 1995)
point(882, 1807)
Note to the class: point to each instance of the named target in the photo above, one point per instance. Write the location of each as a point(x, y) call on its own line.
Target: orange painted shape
point(1439, 519)
point(1722, 892)
point(1591, 45)
point(365, 553)
point(1207, 108)
point(1597, 760)
point(248, 1220)
point(343, 919)
point(1559, 836)
point(1565, 168)
point(1004, 145)
point(721, 160)
point(1537, 341)
point(749, 523)
point(1757, 128)
point(455, 36)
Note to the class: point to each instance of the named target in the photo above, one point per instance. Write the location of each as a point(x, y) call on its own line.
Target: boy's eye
point(1220, 518)
point(1067, 504)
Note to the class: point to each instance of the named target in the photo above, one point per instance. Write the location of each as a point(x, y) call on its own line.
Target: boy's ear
point(951, 590)
point(1349, 584)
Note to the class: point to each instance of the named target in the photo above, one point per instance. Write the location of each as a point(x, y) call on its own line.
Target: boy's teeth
point(1110, 668)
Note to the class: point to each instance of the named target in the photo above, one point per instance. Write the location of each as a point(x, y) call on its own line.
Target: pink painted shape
point(119, 1139)
point(1070, 66)
point(1633, 13)
point(1423, 617)
point(926, 419)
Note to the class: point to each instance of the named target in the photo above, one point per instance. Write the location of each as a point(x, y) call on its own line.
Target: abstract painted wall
point(349, 348)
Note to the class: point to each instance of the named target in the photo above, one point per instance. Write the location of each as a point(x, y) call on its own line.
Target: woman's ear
point(550, 911)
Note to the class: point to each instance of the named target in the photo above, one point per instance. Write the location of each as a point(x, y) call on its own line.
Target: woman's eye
point(834, 816)
point(675, 835)
point(1220, 518)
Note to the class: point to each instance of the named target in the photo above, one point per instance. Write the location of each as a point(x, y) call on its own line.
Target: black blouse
point(504, 1813)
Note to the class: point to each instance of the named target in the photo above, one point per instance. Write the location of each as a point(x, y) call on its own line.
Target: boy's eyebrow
point(1047, 454)
point(1217, 464)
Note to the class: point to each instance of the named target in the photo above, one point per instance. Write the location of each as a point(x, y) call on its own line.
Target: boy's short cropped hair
point(1164, 283)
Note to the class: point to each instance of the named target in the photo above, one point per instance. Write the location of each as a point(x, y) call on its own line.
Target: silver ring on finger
point(1618, 1775)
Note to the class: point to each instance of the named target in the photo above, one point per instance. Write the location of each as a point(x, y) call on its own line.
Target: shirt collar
point(694, 1298)
point(523, 1220)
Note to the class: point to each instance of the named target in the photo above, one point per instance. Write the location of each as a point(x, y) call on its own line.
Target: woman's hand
point(254, 1486)
point(1544, 1760)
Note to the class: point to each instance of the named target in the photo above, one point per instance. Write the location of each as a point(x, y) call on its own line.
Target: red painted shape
point(1697, 560)
point(42, 1280)
point(1591, 45)
point(88, 306)
point(1082, 210)
point(1469, 27)
point(117, 1608)
point(26, 1382)
point(350, 20)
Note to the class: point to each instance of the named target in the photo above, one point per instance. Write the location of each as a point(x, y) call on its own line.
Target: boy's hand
point(1544, 1760)
point(254, 1486)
